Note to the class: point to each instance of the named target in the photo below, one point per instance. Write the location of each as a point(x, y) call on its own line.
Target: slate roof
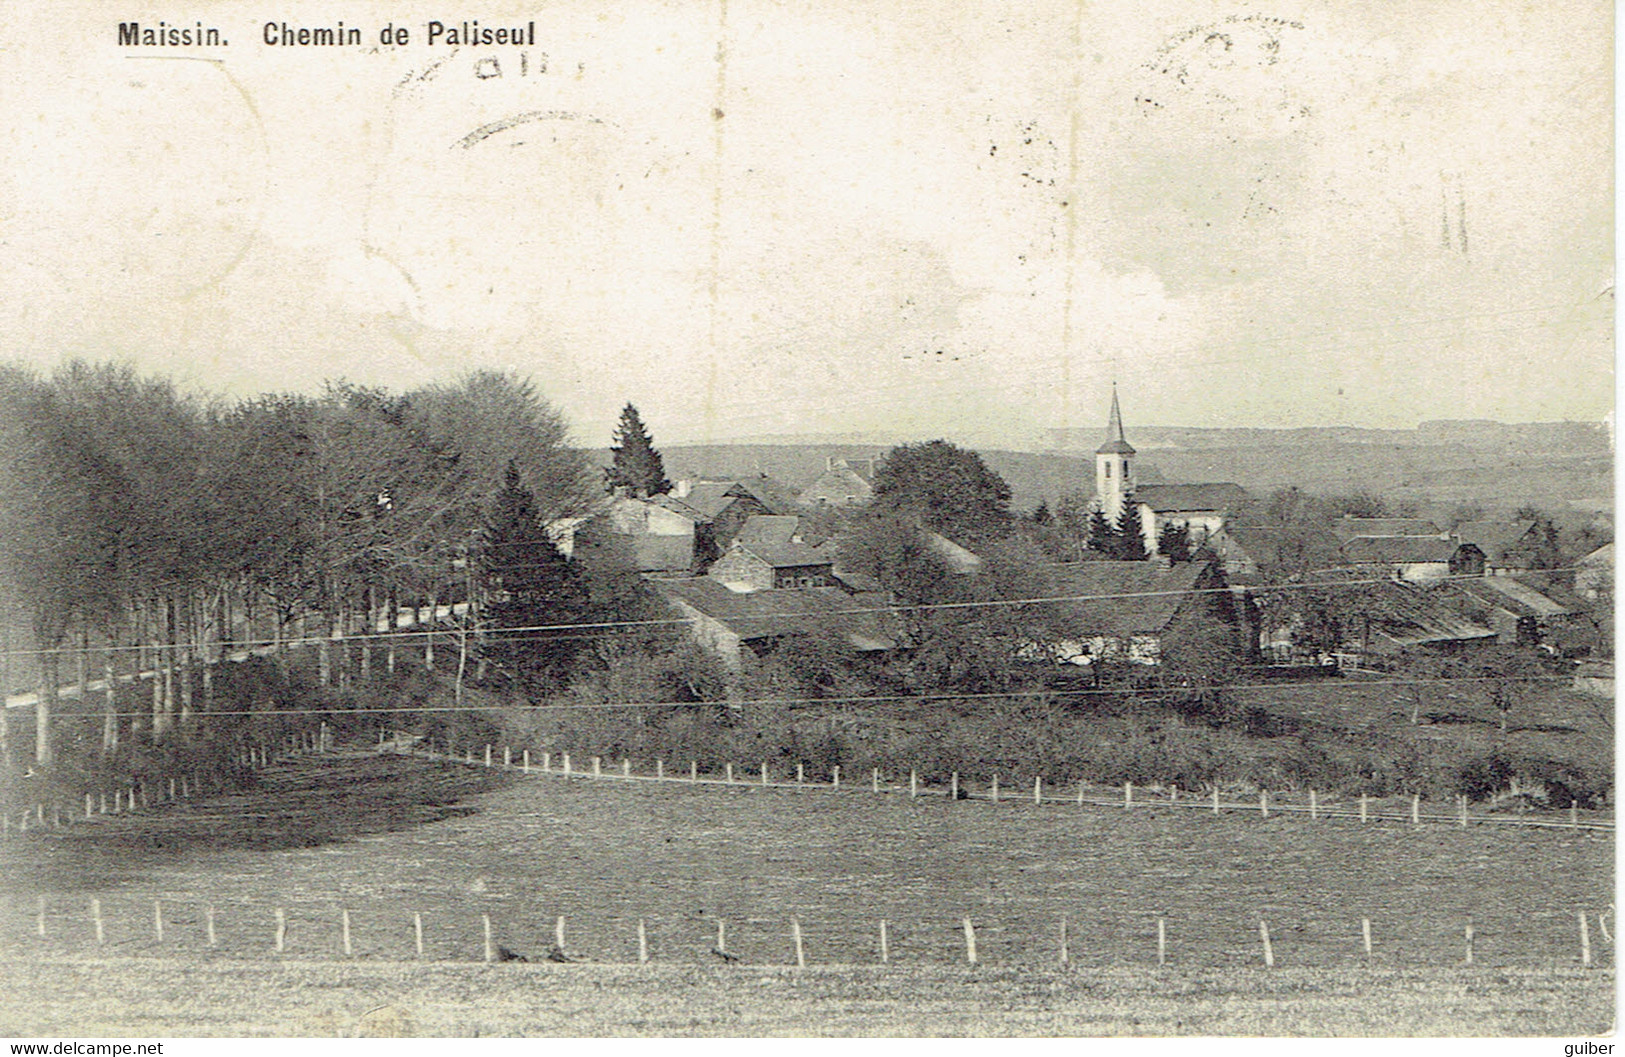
point(1348, 528)
point(769, 528)
point(1156, 596)
point(1509, 595)
point(770, 492)
point(792, 555)
point(1494, 538)
point(863, 618)
point(1408, 615)
point(1176, 498)
point(678, 506)
point(1396, 550)
point(707, 498)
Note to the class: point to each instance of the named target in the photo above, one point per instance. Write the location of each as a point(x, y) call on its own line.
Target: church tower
point(1114, 468)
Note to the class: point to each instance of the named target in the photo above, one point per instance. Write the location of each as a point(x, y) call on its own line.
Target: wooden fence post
point(874, 780)
point(490, 952)
point(1081, 786)
point(281, 930)
point(96, 916)
point(764, 774)
point(801, 775)
point(730, 771)
point(1574, 814)
point(1314, 806)
point(158, 919)
point(995, 789)
point(1585, 942)
point(660, 769)
point(1038, 790)
point(913, 784)
point(1365, 935)
point(626, 768)
point(558, 932)
point(1264, 803)
point(507, 757)
point(1162, 941)
point(597, 766)
point(1269, 952)
point(970, 942)
point(643, 944)
point(1215, 798)
point(693, 770)
point(1362, 807)
point(88, 806)
point(795, 931)
point(565, 763)
point(417, 933)
point(835, 776)
point(885, 944)
point(1464, 811)
point(524, 761)
point(208, 925)
point(1128, 795)
point(1066, 953)
point(953, 786)
point(344, 925)
point(488, 756)
point(547, 761)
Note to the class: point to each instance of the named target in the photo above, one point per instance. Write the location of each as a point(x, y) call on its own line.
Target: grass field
point(456, 844)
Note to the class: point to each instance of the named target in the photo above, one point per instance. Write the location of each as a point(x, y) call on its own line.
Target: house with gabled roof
point(844, 483)
point(1347, 528)
point(1508, 546)
point(772, 552)
point(1129, 611)
point(1413, 558)
point(731, 623)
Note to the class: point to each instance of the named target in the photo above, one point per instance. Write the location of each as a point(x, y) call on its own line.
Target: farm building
point(1594, 575)
point(1348, 528)
point(1507, 545)
point(770, 552)
point(721, 507)
point(1519, 613)
point(1401, 616)
point(662, 531)
point(1131, 611)
point(844, 483)
point(1413, 558)
point(729, 623)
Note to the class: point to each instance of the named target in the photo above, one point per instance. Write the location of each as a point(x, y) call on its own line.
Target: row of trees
point(155, 526)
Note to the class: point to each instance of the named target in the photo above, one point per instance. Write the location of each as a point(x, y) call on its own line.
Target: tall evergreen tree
point(1130, 543)
point(1102, 536)
point(1174, 541)
point(529, 583)
point(637, 466)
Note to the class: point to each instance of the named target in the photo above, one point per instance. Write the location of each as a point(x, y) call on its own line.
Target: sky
point(825, 216)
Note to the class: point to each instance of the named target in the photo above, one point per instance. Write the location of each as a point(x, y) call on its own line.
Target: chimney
point(682, 488)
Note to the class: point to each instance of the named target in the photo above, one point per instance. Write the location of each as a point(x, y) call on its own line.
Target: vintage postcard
point(783, 518)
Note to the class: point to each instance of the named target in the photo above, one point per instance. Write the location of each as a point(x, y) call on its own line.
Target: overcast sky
point(962, 219)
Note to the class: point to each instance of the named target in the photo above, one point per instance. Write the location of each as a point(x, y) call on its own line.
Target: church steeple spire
point(1116, 443)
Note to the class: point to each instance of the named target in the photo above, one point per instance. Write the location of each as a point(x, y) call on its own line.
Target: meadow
point(379, 839)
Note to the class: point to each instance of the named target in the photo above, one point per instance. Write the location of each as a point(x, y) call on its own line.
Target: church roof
point(1175, 498)
point(1115, 443)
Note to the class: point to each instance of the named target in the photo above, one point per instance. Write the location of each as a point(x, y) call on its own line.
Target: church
point(1203, 509)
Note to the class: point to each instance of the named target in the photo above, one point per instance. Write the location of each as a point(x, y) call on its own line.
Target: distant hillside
point(1568, 438)
point(1557, 466)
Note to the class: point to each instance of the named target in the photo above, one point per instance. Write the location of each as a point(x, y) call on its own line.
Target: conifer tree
point(528, 583)
point(637, 466)
point(1102, 536)
point(1130, 543)
point(1174, 541)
